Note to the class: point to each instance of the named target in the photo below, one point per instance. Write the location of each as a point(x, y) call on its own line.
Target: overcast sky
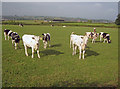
point(89, 10)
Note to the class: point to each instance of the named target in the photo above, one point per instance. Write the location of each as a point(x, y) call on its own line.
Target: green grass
point(39, 22)
point(57, 67)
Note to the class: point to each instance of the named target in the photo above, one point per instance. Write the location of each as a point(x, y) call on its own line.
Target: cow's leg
point(83, 54)
point(5, 35)
point(107, 41)
point(38, 53)
point(32, 52)
point(104, 40)
point(15, 45)
point(92, 40)
point(45, 45)
point(70, 43)
point(100, 38)
point(80, 52)
point(26, 50)
point(75, 49)
point(12, 42)
point(8, 37)
point(49, 44)
point(19, 44)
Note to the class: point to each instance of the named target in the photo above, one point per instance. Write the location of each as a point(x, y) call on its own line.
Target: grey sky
point(89, 10)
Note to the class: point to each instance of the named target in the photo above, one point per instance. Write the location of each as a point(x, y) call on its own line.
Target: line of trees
point(117, 21)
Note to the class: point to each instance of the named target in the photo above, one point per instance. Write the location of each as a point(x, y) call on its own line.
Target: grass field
point(57, 67)
point(38, 22)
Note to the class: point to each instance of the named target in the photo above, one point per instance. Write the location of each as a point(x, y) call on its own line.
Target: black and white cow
point(52, 25)
point(46, 39)
point(21, 25)
point(15, 39)
point(7, 33)
point(105, 36)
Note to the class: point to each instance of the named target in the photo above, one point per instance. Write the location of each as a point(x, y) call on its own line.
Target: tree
point(117, 21)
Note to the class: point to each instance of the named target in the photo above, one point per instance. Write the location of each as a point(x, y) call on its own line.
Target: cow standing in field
point(31, 41)
point(105, 36)
point(72, 37)
point(52, 25)
point(15, 39)
point(64, 26)
point(21, 25)
point(46, 39)
point(89, 34)
point(7, 33)
point(80, 42)
point(92, 35)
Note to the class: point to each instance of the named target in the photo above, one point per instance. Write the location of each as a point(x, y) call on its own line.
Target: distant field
point(57, 67)
point(38, 22)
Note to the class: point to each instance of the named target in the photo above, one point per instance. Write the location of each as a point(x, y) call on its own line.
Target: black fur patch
point(82, 37)
point(108, 39)
point(33, 38)
point(104, 35)
point(6, 31)
point(15, 37)
point(47, 37)
point(11, 34)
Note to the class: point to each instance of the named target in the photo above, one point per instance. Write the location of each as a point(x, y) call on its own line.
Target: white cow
point(72, 37)
point(81, 43)
point(31, 41)
point(64, 26)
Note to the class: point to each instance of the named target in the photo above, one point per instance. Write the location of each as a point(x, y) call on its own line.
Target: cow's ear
point(33, 38)
point(43, 34)
point(82, 37)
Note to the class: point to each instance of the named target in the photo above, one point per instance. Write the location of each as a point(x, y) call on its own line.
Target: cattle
point(46, 39)
point(21, 25)
point(64, 26)
point(7, 33)
point(31, 41)
point(15, 39)
point(105, 36)
point(94, 37)
point(89, 34)
point(52, 25)
point(81, 43)
point(72, 37)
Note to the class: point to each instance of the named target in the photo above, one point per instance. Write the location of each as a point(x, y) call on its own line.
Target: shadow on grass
point(75, 83)
point(82, 83)
point(50, 52)
point(91, 53)
point(56, 45)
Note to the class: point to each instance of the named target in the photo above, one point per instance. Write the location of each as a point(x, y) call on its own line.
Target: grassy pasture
point(39, 22)
point(57, 67)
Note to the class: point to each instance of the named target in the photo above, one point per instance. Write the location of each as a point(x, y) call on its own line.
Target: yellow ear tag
point(40, 38)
